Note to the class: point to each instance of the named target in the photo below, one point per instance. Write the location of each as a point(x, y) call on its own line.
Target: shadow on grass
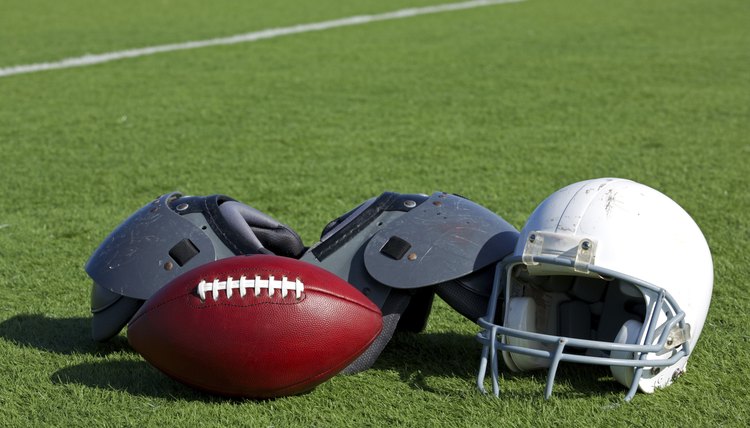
point(133, 377)
point(421, 361)
point(420, 358)
point(416, 357)
point(68, 336)
point(58, 335)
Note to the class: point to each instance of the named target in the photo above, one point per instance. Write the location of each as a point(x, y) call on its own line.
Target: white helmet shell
point(618, 263)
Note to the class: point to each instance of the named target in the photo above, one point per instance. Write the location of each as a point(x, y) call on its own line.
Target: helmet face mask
point(586, 284)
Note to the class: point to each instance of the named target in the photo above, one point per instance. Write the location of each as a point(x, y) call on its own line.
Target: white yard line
point(92, 59)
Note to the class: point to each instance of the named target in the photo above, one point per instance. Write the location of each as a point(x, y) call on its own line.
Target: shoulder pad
point(444, 238)
point(149, 249)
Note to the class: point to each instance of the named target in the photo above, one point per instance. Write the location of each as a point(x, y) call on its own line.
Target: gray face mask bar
point(673, 334)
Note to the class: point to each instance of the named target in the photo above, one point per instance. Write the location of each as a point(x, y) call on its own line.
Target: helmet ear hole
point(628, 334)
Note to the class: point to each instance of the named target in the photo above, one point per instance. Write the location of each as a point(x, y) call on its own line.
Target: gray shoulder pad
point(134, 260)
point(444, 238)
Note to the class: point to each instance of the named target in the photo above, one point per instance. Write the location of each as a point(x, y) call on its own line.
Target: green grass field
point(502, 104)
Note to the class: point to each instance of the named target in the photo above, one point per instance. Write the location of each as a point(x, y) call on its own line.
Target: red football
point(255, 326)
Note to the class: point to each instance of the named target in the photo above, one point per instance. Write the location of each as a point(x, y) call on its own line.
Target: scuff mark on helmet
point(611, 196)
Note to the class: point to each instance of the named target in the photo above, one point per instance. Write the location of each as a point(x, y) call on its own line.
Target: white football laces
point(256, 284)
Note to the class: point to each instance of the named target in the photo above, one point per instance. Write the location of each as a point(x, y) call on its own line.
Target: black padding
point(395, 248)
point(617, 309)
point(281, 241)
point(574, 319)
point(183, 251)
point(106, 324)
point(589, 290)
point(596, 309)
point(394, 306)
point(415, 316)
point(554, 283)
point(240, 219)
point(251, 230)
point(102, 298)
point(470, 294)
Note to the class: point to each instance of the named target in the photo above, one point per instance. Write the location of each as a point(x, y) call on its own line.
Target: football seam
point(140, 314)
point(348, 299)
point(215, 304)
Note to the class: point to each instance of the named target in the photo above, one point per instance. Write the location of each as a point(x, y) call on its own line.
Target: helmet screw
point(168, 266)
point(677, 373)
point(586, 245)
point(437, 203)
point(409, 203)
point(412, 257)
point(182, 207)
point(532, 238)
point(670, 341)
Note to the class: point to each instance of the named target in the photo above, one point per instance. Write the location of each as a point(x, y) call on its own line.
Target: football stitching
point(256, 284)
point(140, 314)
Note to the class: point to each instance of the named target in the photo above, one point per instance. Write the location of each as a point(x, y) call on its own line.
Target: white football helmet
point(608, 272)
